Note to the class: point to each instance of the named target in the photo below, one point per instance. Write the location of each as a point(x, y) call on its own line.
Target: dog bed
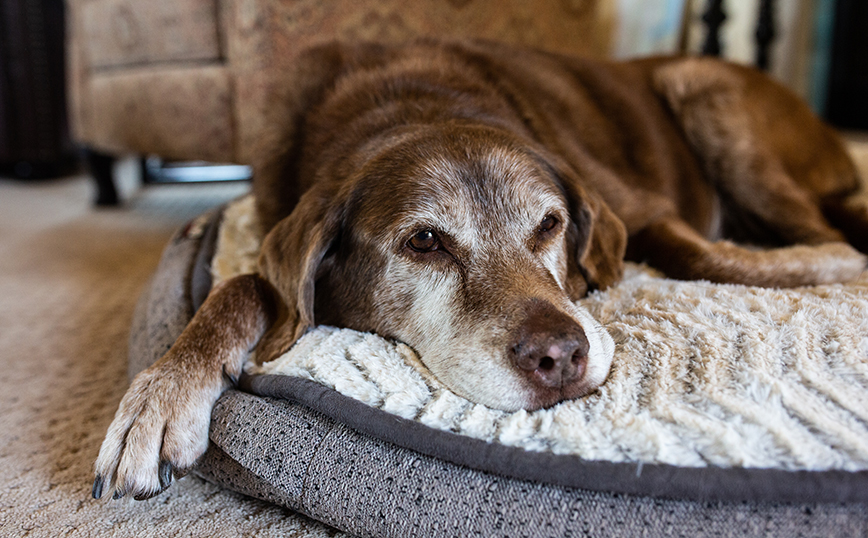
point(730, 411)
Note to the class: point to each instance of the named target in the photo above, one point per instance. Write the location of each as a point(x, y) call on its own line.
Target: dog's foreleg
point(679, 251)
point(161, 426)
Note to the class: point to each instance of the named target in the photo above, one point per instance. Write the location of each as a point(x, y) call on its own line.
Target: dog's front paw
point(838, 262)
point(159, 430)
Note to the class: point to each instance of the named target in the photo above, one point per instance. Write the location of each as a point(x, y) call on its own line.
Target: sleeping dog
point(459, 197)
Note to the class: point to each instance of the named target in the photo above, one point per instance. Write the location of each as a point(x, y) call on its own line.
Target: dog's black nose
point(550, 348)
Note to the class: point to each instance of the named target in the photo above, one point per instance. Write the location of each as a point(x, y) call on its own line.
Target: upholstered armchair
point(189, 79)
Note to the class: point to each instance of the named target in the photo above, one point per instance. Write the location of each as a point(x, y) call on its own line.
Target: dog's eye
point(424, 241)
point(547, 224)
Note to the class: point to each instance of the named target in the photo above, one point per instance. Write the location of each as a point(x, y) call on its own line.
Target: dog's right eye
point(424, 241)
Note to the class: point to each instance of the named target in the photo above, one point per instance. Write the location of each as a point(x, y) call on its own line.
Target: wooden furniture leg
point(100, 165)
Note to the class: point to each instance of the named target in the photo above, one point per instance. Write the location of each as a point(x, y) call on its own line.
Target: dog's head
point(465, 244)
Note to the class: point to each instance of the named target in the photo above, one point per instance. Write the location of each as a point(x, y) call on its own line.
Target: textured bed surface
point(704, 374)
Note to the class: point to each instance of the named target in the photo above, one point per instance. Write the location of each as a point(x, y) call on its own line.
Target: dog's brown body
point(459, 197)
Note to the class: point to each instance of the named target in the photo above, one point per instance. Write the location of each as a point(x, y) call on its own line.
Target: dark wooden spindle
point(713, 17)
point(765, 33)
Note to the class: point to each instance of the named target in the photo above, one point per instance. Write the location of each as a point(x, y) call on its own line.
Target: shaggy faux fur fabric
point(703, 374)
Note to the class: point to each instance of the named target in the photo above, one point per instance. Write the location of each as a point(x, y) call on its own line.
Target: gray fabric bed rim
point(306, 447)
point(662, 481)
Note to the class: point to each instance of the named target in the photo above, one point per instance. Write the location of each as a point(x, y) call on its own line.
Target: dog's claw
point(165, 475)
point(96, 492)
point(232, 379)
point(117, 495)
point(145, 496)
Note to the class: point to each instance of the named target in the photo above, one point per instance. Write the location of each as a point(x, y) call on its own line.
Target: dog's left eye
point(424, 241)
point(547, 224)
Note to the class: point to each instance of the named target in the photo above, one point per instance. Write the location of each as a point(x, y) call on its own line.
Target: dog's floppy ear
point(596, 237)
point(600, 243)
point(289, 259)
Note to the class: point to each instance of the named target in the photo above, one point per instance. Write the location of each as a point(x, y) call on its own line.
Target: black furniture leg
point(765, 33)
point(100, 165)
point(713, 17)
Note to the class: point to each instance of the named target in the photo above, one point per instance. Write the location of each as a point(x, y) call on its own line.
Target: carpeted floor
point(69, 279)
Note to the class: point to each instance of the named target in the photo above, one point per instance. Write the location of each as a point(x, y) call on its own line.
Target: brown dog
point(459, 197)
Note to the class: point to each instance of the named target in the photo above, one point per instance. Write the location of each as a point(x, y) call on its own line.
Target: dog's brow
point(497, 173)
point(460, 196)
point(507, 164)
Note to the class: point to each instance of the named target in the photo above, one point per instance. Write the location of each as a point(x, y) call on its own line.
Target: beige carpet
point(69, 278)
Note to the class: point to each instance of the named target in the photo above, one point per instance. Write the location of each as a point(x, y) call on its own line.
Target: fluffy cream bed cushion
point(703, 374)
